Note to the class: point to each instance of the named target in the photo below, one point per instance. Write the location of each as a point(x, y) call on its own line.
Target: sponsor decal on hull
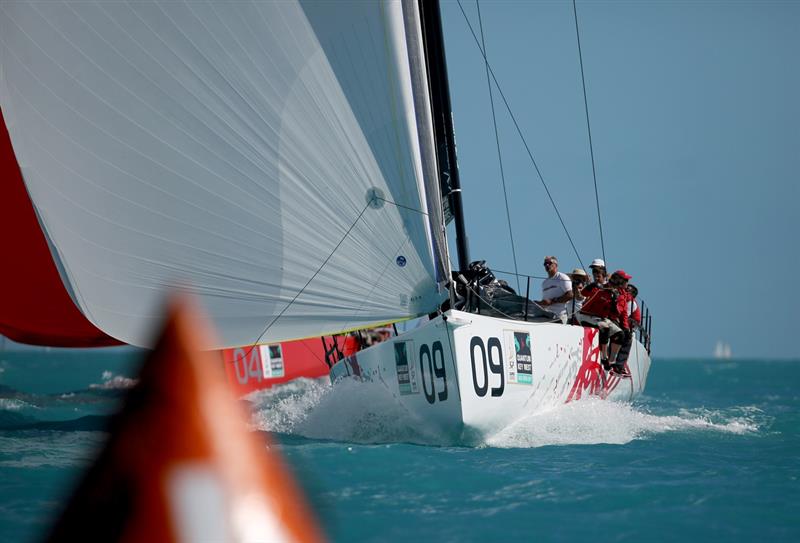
point(520, 361)
point(406, 369)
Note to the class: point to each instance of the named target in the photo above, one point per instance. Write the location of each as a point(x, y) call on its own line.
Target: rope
point(350, 229)
point(520, 274)
point(291, 302)
point(589, 130)
point(497, 143)
point(519, 132)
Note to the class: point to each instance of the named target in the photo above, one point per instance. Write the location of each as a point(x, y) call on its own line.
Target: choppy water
point(711, 452)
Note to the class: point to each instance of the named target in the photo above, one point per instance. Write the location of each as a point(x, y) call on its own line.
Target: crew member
point(606, 309)
point(619, 282)
point(556, 289)
point(598, 267)
point(579, 279)
point(634, 320)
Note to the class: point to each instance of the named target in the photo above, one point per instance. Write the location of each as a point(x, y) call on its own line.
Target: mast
point(443, 123)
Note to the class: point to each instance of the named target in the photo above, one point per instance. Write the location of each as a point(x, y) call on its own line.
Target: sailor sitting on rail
point(599, 274)
point(606, 309)
point(579, 278)
point(634, 321)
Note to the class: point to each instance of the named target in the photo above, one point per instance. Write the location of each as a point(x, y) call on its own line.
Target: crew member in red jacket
point(635, 320)
point(606, 309)
point(619, 282)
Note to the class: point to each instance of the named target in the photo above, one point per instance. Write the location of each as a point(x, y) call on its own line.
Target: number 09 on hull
point(468, 376)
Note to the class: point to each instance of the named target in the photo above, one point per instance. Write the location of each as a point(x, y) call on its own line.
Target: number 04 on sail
point(291, 164)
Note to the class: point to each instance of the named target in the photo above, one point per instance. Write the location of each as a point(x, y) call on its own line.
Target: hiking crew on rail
point(607, 303)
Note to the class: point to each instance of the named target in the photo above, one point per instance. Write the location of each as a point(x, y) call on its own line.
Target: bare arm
point(567, 296)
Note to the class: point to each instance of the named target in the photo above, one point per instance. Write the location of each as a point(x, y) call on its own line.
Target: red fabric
point(599, 303)
point(623, 300)
point(34, 306)
point(636, 316)
point(589, 289)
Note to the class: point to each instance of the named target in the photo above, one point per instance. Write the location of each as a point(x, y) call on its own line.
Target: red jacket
point(600, 303)
point(623, 300)
point(636, 316)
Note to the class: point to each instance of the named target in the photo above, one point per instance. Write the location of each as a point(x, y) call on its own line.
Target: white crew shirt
point(574, 305)
point(555, 287)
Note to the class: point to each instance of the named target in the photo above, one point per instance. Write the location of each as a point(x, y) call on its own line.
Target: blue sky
point(696, 129)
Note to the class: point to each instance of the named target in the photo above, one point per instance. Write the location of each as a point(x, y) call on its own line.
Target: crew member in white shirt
point(556, 289)
point(579, 279)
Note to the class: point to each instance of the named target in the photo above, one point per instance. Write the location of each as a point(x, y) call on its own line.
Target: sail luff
point(427, 144)
point(443, 123)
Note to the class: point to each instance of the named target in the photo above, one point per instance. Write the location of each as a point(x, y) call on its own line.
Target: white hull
point(460, 375)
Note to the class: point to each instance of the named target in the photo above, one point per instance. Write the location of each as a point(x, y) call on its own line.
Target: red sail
point(35, 308)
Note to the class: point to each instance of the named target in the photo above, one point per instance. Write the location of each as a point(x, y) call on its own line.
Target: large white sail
point(268, 156)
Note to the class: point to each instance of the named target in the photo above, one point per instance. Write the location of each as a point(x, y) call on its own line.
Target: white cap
point(598, 263)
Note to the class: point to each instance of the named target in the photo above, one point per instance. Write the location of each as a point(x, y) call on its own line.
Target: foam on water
point(113, 382)
point(14, 404)
point(363, 413)
point(352, 411)
point(594, 421)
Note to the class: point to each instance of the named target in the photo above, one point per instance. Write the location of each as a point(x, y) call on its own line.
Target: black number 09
point(435, 362)
point(495, 364)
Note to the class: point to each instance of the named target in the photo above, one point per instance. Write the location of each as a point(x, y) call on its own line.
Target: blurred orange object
point(181, 464)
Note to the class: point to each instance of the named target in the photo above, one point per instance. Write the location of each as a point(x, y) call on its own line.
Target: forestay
point(269, 157)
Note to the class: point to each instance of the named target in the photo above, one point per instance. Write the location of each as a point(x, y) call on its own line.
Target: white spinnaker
point(231, 149)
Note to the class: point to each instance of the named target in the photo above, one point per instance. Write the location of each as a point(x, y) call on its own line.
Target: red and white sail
point(269, 157)
point(36, 308)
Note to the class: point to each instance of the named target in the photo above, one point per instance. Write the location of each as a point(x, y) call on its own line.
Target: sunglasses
point(548, 263)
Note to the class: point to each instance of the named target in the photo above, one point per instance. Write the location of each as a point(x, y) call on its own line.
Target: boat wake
point(350, 412)
point(591, 422)
point(359, 413)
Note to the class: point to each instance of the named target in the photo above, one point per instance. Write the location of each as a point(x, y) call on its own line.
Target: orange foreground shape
point(181, 464)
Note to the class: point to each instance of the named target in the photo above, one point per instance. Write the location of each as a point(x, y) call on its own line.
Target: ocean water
point(711, 452)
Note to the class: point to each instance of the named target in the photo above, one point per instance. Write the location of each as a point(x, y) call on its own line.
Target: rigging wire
point(344, 237)
point(497, 143)
point(589, 130)
point(519, 132)
point(519, 274)
point(291, 302)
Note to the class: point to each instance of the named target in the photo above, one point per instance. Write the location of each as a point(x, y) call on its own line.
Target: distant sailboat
point(722, 351)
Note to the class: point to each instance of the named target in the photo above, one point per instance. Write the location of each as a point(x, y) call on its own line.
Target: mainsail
point(270, 157)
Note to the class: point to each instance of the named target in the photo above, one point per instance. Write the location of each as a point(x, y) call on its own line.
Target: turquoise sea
point(710, 453)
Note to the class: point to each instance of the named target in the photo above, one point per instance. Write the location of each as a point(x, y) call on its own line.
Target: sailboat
point(722, 350)
point(290, 164)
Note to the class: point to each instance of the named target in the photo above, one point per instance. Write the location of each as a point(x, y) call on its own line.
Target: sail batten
point(269, 157)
